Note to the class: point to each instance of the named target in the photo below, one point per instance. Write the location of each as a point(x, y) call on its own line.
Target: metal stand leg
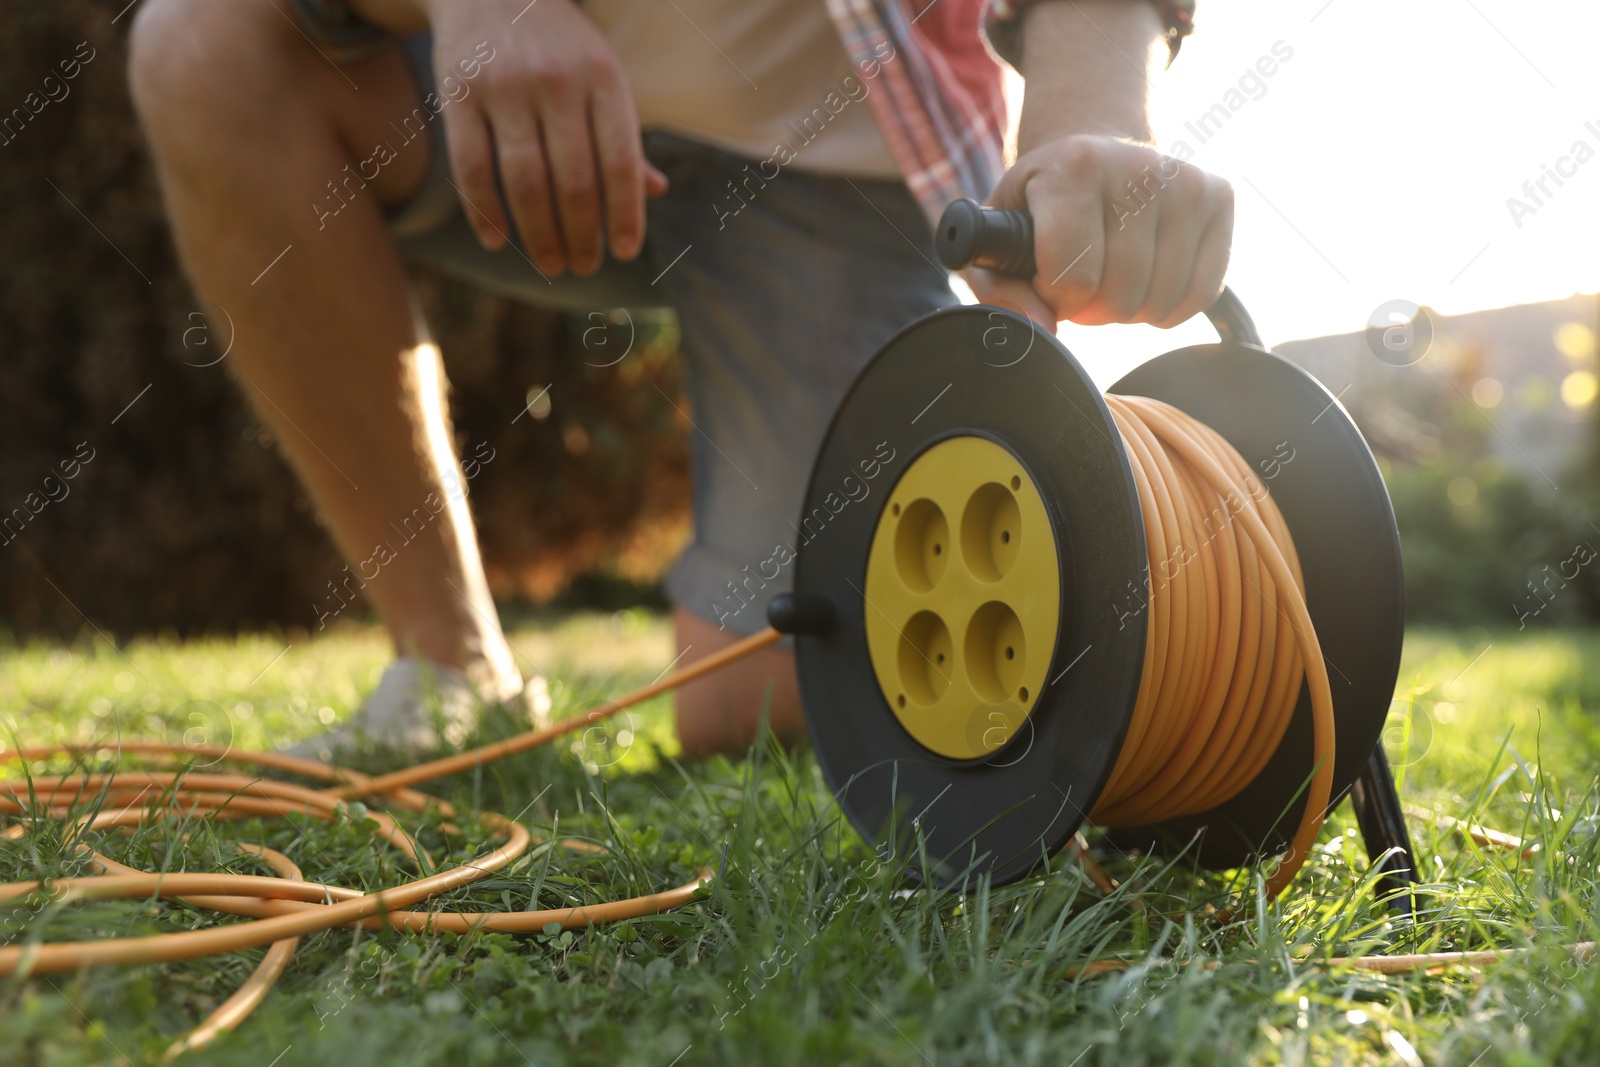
point(1383, 826)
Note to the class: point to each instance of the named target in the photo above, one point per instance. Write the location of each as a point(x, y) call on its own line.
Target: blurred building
point(1527, 373)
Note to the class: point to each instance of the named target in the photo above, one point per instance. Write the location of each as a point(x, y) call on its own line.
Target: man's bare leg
point(722, 712)
point(249, 124)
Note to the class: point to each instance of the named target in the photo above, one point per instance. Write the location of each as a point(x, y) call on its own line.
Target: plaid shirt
point(939, 104)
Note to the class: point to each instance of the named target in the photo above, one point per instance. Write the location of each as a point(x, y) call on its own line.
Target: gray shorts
point(779, 305)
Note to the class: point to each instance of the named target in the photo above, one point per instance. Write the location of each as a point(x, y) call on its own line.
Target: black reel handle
point(972, 235)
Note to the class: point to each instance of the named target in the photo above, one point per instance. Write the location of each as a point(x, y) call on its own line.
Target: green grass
point(806, 950)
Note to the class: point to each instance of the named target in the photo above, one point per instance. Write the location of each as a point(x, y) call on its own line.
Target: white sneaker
point(417, 707)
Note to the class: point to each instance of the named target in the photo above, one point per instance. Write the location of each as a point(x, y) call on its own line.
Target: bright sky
point(1377, 162)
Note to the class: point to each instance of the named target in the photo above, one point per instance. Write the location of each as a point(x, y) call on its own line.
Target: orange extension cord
point(286, 907)
point(1228, 634)
point(1229, 641)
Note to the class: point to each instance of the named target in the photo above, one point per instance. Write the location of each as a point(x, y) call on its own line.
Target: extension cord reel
point(970, 639)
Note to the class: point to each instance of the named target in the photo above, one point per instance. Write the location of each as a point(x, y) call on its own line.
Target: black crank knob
point(802, 613)
point(1001, 240)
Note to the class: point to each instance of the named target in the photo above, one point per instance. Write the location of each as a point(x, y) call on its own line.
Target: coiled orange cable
point(1229, 638)
point(285, 908)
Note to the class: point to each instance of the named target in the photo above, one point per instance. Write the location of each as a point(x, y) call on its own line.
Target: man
point(768, 168)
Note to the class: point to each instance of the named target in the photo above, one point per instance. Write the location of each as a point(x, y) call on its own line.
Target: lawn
point(805, 949)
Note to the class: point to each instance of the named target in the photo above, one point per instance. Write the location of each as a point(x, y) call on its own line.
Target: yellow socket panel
point(963, 597)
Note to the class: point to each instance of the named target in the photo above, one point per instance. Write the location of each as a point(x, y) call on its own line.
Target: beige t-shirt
point(748, 75)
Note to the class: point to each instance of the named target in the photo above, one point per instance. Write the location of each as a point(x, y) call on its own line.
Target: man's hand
point(554, 108)
point(1122, 233)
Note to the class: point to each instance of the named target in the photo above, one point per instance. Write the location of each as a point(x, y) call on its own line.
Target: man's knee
point(194, 64)
point(722, 712)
